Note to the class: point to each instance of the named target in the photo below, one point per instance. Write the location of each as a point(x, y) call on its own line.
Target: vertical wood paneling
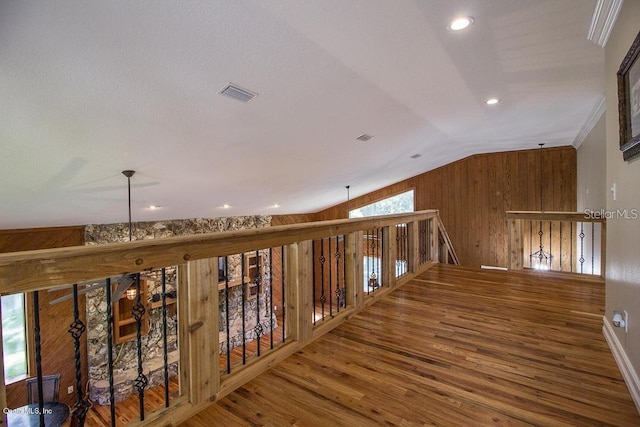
point(474, 193)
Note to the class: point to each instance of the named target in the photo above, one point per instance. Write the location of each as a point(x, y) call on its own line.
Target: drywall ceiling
point(91, 88)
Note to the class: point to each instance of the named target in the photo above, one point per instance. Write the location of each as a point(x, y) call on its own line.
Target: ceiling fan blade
point(80, 292)
point(125, 282)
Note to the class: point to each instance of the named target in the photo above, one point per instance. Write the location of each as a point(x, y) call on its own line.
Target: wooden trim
point(624, 364)
point(356, 255)
point(552, 216)
point(414, 248)
point(390, 253)
point(203, 325)
point(435, 247)
point(516, 248)
point(42, 269)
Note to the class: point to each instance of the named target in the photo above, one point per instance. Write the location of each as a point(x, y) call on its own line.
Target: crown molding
point(603, 20)
point(596, 113)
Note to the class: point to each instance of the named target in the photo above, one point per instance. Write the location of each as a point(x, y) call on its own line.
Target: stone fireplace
point(125, 353)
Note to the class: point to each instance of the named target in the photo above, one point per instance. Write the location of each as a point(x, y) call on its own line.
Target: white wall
point(592, 171)
point(623, 235)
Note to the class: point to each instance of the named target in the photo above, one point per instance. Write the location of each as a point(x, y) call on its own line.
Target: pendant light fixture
point(131, 293)
point(541, 259)
point(348, 201)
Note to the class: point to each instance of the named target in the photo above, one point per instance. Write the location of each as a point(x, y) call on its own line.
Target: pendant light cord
point(129, 174)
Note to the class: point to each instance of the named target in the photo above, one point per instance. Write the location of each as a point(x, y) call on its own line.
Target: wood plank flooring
point(454, 347)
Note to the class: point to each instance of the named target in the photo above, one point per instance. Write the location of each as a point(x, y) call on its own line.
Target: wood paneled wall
point(57, 345)
point(474, 193)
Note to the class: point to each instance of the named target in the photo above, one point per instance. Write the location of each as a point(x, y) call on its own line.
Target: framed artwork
point(629, 102)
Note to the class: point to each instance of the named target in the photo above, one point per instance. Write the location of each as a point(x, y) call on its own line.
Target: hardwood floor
point(455, 347)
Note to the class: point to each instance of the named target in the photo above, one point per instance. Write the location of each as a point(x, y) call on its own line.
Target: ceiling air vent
point(236, 92)
point(364, 137)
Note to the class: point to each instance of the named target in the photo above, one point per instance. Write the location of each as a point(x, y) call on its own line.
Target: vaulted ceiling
point(91, 88)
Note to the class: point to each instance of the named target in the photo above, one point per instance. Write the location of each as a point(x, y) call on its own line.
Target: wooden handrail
point(41, 269)
point(553, 216)
point(517, 222)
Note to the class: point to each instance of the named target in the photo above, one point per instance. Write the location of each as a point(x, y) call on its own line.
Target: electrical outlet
point(626, 321)
point(70, 389)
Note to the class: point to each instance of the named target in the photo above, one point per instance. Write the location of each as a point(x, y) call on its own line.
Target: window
point(400, 203)
point(14, 339)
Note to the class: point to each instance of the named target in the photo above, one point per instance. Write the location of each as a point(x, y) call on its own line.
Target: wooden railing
point(299, 281)
point(571, 242)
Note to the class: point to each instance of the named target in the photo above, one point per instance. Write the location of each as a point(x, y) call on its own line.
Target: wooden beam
point(42, 269)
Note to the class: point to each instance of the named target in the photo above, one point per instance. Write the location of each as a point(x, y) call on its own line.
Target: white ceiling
point(90, 88)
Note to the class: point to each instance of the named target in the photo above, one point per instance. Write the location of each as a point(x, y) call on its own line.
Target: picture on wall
point(629, 102)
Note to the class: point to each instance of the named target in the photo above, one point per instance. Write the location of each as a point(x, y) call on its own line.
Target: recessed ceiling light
point(226, 206)
point(275, 205)
point(416, 156)
point(154, 207)
point(492, 101)
point(460, 23)
point(364, 137)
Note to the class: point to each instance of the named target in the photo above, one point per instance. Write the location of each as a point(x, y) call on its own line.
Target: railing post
point(413, 257)
point(203, 326)
point(516, 245)
point(433, 240)
point(354, 254)
point(389, 254)
point(299, 265)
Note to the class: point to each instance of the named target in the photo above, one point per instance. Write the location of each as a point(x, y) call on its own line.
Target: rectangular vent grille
point(236, 92)
point(364, 137)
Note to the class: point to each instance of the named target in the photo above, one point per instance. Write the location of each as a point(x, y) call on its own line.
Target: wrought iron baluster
point(330, 280)
point(271, 298)
point(112, 403)
point(530, 243)
point(378, 257)
point(258, 328)
point(76, 329)
point(284, 301)
point(165, 344)
point(581, 235)
point(140, 383)
point(313, 274)
point(244, 334)
point(36, 325)
point(550, 260)
point(338, 288)
point(593, 247)
point(283, 309)
point(228, 316)
point(323, 297)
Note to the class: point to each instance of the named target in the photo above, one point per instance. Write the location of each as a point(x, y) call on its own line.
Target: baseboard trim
point(624, 364)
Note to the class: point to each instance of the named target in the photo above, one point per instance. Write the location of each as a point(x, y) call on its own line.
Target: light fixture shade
point(131, 293)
